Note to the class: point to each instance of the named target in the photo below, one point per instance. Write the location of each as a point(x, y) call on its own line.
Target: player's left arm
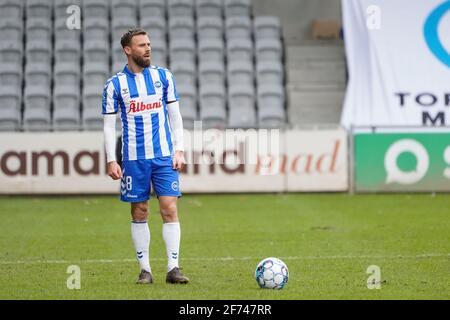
point(176, 124)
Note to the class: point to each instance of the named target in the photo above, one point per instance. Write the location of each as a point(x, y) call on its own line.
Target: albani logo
point(431, 32)
point(139, 106)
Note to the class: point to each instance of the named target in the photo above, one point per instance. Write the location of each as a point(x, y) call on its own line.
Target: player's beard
point(142, 62)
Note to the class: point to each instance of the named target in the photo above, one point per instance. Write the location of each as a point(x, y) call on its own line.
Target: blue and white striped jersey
point(142, 101)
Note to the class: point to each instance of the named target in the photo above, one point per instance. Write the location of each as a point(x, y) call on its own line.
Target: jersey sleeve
point(171, 90)
point(109, 99)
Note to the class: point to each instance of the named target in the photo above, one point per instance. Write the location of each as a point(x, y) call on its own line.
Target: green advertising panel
point(402, 162)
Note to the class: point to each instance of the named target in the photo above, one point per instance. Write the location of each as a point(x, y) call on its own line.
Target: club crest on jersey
point(158, 84)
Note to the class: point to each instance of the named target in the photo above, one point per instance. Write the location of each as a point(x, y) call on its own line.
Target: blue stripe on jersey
point(156, 142)
point(162, 75)
point(116, 84)
point(132, 86)
point(149, 82)
point(166, 126)
point(123, 116)
point(105, 97)
point(140, 142)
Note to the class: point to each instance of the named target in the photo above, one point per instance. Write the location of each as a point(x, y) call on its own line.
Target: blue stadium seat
point(66, 74)
point(187, 93)
point(209, 28)
point(238, 27)
point(237, 8)
point(66, 107)
point(240, 50)
point(269, 73)
point(11, 75)
point(38, 74)
point(211, 50)
point(182, 50)
point(11, 29)
point(11, 9)
point(240, 72)
point(152, 8)
point(39, 9)
point(67, 51)
point(124, 9)
point(39, 29)
point(211, 72)
point(98, 9)
point(184, 73)
point(11, 52)
point(96, 29)
point(180, 8)
point(181, 28)
point(209, 8)
point(269, 50)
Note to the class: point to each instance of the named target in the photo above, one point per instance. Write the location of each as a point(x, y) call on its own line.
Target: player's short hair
point(128, 36)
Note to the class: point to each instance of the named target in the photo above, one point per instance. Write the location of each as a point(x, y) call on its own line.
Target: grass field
point(328, 241)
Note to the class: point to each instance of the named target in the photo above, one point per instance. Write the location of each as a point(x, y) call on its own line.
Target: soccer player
point(152, 148)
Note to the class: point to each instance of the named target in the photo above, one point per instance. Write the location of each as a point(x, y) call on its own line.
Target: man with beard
point(152, 148)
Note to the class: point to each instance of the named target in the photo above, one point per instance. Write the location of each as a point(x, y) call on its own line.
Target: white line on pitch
point(99, 261)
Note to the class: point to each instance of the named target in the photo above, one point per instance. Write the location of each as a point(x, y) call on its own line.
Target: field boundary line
point(287, 258)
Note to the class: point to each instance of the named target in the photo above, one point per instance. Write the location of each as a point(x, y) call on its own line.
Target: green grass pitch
point(327, 240)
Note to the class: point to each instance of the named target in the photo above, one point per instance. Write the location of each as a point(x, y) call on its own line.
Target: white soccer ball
point(271, 273)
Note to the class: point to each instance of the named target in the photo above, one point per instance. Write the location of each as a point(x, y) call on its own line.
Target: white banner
point(398, 57)
point(257, 161)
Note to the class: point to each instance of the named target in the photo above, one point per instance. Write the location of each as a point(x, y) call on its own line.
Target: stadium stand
point(241, 51)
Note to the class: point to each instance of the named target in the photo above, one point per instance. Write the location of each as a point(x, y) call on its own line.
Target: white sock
point(171, 235)
point(140, 233)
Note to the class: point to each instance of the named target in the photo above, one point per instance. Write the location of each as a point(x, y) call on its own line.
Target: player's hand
point(178, 161)
point(114, 170)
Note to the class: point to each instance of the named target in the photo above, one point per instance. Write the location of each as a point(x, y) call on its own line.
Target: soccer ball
point(272, 273)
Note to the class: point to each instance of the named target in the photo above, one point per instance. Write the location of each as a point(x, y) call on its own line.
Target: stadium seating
point(212, 106)
point(209, 27)
point(156, 28)
point(39, 29)
point(237, 8)
point(240, 50)
point(96, 29)
point(187, 93)
point(11, 52)
point(211, 72)
point(10, 102)
point(211, 50)
point(180, 8)
point(152, 8)
point(60, 7)
point(66, 115)
point(181, 27)
point(183, 51)
point(238, 27)
point(267, 27)
point(184, 73)
point(39, 9)
point(241, 104)
point(11, 30)
point(217, 50)
point(209, 8)
point(38, 74)
point(97, 9)
point(239, 72)
point(11, 9)
point(11, 75)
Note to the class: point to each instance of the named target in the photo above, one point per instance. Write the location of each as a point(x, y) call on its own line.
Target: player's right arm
point(109, 111)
